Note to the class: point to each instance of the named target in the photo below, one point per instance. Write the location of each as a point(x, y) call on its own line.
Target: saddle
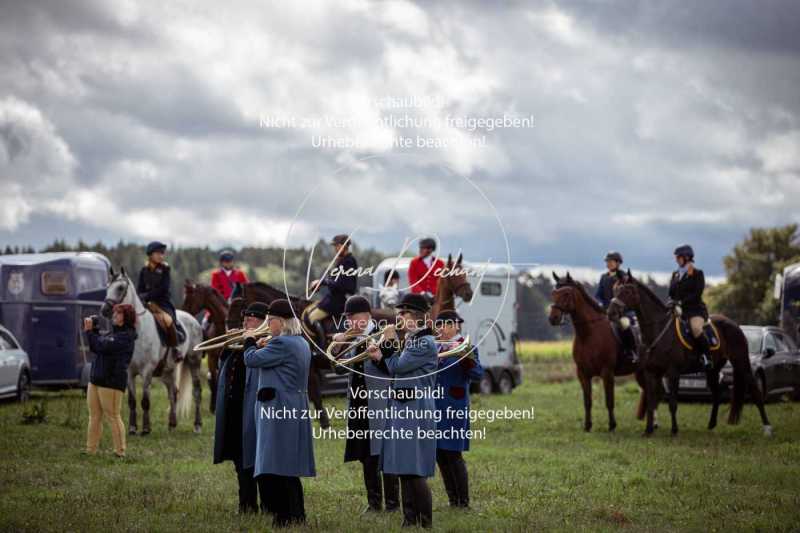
point(685, 334)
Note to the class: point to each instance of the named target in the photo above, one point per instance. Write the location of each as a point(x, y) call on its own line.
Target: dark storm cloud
point(656, 122)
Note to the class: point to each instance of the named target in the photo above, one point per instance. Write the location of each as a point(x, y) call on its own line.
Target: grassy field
point(539, 475)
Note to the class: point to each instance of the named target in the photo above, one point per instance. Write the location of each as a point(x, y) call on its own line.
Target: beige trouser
point(317, 314)
point(696, 323)
point(105, 402)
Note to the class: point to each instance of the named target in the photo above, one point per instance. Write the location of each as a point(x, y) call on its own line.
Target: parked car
point(15, 368)
point(775, 361)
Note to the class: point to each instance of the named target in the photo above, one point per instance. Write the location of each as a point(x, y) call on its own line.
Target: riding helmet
point(356, 304)
point(341, 239)
point(155, 246)
point(225, 255)
point(615, 256)
point(428, 242)
point(684, 250)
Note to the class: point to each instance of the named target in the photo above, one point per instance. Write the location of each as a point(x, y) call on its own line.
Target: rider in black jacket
point(686, 289)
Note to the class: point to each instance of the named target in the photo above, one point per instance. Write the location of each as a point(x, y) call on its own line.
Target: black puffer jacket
point(688, 290)
point(113, 355)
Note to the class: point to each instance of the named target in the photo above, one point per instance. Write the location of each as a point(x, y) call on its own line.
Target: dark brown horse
point(595, 348)
point(197, 298)
point(663, 354)
point(258, 291)
point(451, 283)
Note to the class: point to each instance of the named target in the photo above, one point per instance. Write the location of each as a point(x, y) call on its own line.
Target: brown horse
point(595, 348)
point(451, 283)
point(196, 298)
point(258, 291)
point(663, 354)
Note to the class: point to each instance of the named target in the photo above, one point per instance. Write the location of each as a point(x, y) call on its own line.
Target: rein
point(112, 303)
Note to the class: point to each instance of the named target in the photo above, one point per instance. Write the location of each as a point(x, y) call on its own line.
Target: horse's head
point(119, 291)
point(626, 296)
point(193, 297)
point(563, 299)
point(455, 279)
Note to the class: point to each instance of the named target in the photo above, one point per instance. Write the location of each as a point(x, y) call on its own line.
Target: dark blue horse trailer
point(43, 300)
point(789, 284)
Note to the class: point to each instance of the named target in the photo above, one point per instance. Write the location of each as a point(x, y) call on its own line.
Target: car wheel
point(24, 387)
point(505, 385)
point(486, 385)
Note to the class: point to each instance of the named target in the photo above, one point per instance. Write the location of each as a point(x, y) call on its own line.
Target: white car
point(15, 368)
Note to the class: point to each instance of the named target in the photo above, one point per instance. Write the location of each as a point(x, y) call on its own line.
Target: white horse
point(149, 351)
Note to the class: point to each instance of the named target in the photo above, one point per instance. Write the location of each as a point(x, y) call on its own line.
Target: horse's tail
point(184, 384)
point(739, 357)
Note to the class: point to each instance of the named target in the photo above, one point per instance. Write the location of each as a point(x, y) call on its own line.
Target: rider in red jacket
point(425, 269)
point(226, 278)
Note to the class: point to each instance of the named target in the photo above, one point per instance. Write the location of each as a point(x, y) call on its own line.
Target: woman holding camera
point(109, 376)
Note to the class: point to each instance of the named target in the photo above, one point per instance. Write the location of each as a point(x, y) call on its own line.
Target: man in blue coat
point(366, 386)
point(235, 431)
point(454, 377)
point(284, 447)
point(413, 458)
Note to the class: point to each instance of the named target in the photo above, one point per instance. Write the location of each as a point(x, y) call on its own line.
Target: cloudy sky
point(655, 123)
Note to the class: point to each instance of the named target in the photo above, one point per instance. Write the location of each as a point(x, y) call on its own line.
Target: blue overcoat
point(413, 368)
point(248, 437)
point(284, 445)
point(454, 378)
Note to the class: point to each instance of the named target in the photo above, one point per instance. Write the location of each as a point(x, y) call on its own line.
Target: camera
point(95, 321)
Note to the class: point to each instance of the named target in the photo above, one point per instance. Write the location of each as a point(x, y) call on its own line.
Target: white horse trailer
point(489, 319)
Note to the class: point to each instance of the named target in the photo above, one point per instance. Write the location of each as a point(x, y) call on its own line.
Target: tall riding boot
point(322, 338)
point(629, 345)
point(459, 469)
point(448, 476)
point(409, 511)
point(372, 482)
point(423, 502)
point(391, 492)
point(704, 352)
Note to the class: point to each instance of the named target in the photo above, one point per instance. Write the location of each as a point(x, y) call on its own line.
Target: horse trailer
point(489, 319)
point(43, 301)
point(788, 291)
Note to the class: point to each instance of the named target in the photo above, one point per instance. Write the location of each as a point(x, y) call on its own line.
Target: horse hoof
point(712, 425)
point(612, 427)
point(132, 431)
point(647, 434)
point(767, 431)
point(197, 429)
point(674, 432)
point(587, 429)
point(145, 432)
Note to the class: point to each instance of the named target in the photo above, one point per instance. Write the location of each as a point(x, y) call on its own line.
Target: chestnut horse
point(595, 348)
point(663, 354)
point(196, 298)
point(451, 283)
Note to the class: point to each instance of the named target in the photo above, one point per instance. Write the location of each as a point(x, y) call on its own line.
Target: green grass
point(545, 474)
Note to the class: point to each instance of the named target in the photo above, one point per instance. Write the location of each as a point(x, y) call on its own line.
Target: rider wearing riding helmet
point(228, 276)
point(604, 295)
point(154, 290)
point(686, 289)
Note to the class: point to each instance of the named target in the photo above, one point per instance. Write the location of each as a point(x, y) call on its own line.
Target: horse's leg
point(652, 401)
point(674, 378)
point(147, 379)
point(132, 427)
point(608, 385)
point(758, 398)
point(712, 380)
point(172, 395)
point(315, 395)
point(586, 385)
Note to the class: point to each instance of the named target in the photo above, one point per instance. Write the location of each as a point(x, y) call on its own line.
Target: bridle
point(569, 313)
point(620, 305)
point(111, 303)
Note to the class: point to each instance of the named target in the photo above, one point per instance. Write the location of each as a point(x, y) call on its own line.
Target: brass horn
point(233, 339)
point(462, 348)
point(350, 343)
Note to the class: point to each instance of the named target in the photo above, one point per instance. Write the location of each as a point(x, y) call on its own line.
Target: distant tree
point(746, 296)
